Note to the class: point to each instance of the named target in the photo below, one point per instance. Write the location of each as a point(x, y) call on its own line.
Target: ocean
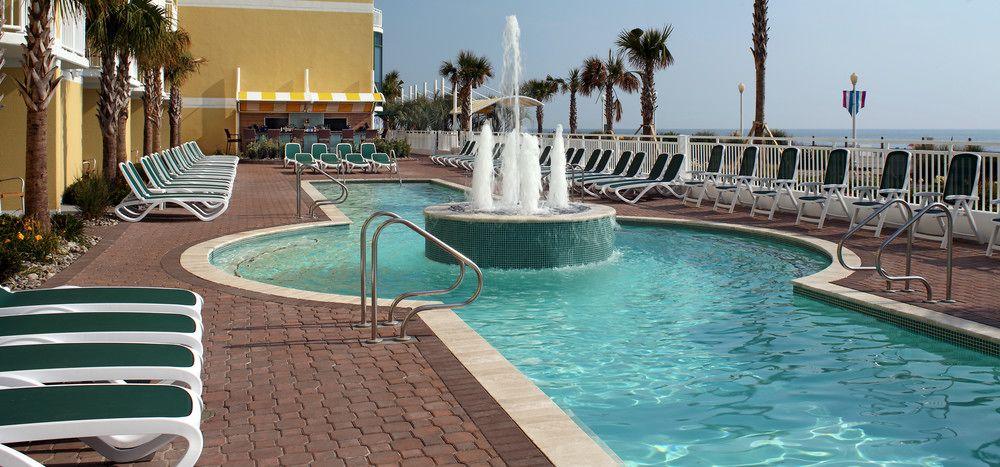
point(891, 134)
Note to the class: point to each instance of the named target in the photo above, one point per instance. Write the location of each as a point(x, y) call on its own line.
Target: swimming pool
point(687, 347)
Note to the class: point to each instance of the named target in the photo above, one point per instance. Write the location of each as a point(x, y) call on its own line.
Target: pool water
point(688, 347)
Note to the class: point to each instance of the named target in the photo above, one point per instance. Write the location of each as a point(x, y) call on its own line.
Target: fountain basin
point(582, 235)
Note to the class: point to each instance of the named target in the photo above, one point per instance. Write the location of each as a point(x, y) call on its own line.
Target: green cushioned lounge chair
point(469, 159)
point(592, 185)
point(596, 165)
point(664, 177)
point(995, 236)
point(893, 184)
point(152, 328)
point(621, 165)
point(330, 160)
point(160, 179)
point(122, 422)
point(702, 179)
point(774, 188)
point(831, 189)
point(960, 191)
point(381, 159)
point(467, 148)
point(291, 149)
point(138, 204)
point(73, 299)
point(737, 183)
point(40, 364)
point(195, 150)
point(352, 160)
point(165, 173)
point(573, 159)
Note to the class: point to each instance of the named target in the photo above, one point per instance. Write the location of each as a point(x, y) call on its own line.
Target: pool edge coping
point(554, 432)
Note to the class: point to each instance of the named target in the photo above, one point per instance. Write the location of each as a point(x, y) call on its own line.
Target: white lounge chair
point(739, 182)
point(702, 179)
point(995, 236)
point(829, 190)
point(100, 299)
point(778, 186)
point(137, 205)
point(893, 184)
point(960, 191)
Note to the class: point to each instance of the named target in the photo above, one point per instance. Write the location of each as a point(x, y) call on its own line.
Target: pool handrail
point(463, 262)
point(363, 323)
point(301, 163)
point(911, 225)
point(855, 229)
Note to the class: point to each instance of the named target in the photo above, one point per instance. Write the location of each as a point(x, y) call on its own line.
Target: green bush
point(262, 149)
point(67, 226)
point(400, 146)
point(90, 193)
point(11, 262)
point(24, 237)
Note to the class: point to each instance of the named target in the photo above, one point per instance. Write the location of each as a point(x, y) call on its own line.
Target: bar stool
point(323, 135)
point(298, 135)
point(230, 141)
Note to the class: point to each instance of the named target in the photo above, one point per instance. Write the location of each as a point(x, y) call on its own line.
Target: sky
point(931, 64)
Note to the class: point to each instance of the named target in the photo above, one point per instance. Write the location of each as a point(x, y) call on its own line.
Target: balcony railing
point(15, 16)
point(377, 19)
point(70, 31)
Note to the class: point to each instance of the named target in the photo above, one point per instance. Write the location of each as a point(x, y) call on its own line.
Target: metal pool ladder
point(309, 162)
point(909, 226)
point(370, 320)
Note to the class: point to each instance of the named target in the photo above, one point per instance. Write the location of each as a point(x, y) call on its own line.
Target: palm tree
point(571, 84)
point(541, 90)
point(151, 59)
point(114, 28)
point(759, 51)
point(2, 75)
point(39, 84)
point(392, 90)
point(601, 75)
point(177, 72)
point(647, 50)
point(449, 71)
point(473, 71)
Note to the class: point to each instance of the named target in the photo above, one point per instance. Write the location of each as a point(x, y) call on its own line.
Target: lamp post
point(741, 87)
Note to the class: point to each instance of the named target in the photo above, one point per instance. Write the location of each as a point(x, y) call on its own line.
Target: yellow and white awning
point(319, 102)
point(486, 105)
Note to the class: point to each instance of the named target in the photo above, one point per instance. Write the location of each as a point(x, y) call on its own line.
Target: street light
point(854, 114)
point(742, 87)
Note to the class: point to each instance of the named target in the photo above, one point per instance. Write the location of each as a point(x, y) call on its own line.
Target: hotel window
point(378, 59)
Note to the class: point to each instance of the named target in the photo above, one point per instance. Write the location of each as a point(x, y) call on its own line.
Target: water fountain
point(508, 224)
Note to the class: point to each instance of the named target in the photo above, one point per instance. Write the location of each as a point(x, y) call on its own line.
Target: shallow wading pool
point(686, 347)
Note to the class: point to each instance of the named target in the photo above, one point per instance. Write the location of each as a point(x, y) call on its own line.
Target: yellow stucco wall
point(64, 137)
point(272, 48)
point(92, 142)
point(135, 124)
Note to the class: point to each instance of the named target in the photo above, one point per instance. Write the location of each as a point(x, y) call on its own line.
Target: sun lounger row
point(183, 176)
point(117, 367)
point(344, 159)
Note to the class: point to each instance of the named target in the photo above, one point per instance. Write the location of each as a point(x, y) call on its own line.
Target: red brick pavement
point(288, 382)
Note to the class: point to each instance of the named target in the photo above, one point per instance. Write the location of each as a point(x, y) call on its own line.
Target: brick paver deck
point(288, 381)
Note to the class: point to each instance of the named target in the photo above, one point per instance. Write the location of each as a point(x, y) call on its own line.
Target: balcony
point(377, 20)
point(70, 32)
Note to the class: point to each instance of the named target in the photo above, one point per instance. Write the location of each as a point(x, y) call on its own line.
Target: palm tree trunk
point(107, 115)
point(40, 84)
point(464, 96)
point(174, 111)
point(648, 100)
point(157, 109)
point(572, 112)
point(539, 117)
point(147, 110)
point(759, 51)
point(609, 108)
point(123, 88)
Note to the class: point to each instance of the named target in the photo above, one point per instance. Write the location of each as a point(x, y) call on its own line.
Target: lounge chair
point(778, 186)
point(40, 364)
point(960, 191)
point(352, 160)
point(621, 165)
point(141, 201)
point(100, 299)
point(97, 414)
point(893, 184)
point(381, 159)
point(85, 326)
point(701, 179)
point(170, 172)
point(467, 161)
point(291, 149)
point(330, 160)
point(738, 182)
point(591, 185)
point(317, 149)
point(573, 159)
point(195, 151)
point(466, 150)
point(995, 236)
point(663, 177)
point(596, 165)
point(160, 180)
point(829, 190)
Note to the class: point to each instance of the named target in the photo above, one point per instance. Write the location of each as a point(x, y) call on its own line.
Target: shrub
point(29, 241)
point(262, 149)
point(90, 193)
point(706, 136)
point(67, 226)
point(400, 146)
point(11, 262)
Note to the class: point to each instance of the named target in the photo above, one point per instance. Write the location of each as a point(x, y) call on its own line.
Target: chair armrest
point(961, 198)
point(833, 185)
point(996, 201)
point(811, 184)
point(156, 190)
point(745, 179)
point(892, 191)
point(928, 194)
point(764, 179)
point(697, 172)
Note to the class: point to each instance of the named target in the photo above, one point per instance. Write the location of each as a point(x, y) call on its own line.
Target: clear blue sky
point(926, 63)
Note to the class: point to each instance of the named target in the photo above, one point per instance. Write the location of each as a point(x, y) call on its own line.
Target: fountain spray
point(482, 175)
point(558, 190)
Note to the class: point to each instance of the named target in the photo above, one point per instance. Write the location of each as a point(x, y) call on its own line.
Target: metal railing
point(372, 321)
point(910, 225)
point(311, 164)
point(70, 30)
point(861, 225)
point(12, 194)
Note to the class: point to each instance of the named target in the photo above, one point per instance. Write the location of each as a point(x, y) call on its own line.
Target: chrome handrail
point(299, 167)
point(862, 224)
point(463, 261)
point(18, 194)
point(364, 265)
point(949, 231)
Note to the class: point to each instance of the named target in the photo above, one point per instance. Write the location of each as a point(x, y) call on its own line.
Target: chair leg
point(753, 206)
point(774, 206)
point(881, 223)
point(798, 218)
point(822, 215)
point(990, 245)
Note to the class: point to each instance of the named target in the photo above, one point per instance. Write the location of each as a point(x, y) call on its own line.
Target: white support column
point(239, 85)
point(425, 88)
point(684, 146)
point(307, 82)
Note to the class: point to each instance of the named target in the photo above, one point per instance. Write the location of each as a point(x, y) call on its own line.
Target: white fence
point(930, 158)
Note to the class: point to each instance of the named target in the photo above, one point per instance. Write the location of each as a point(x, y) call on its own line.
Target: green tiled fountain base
point(522, 244)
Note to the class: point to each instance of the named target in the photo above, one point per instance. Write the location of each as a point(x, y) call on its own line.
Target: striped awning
point(310, 107)
point(336, 97)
